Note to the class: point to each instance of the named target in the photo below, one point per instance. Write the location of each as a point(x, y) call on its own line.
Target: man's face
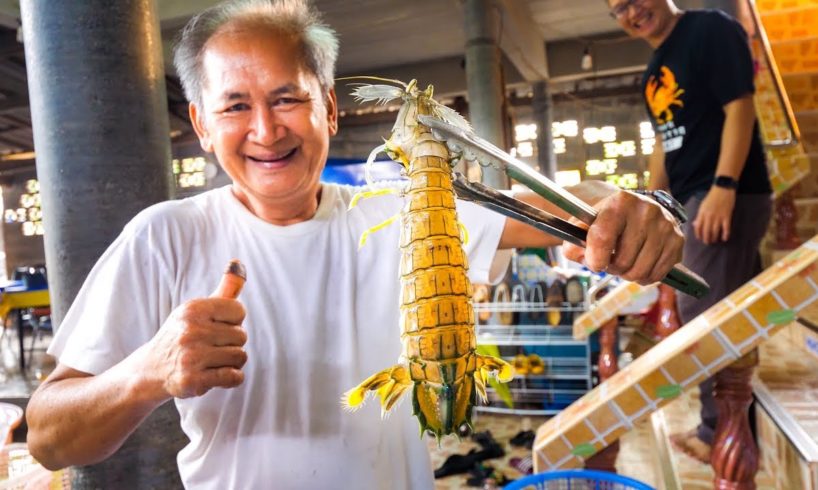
point(266, 118)
point(644, 19)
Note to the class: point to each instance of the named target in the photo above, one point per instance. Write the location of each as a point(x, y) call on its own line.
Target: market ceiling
point(377, 36)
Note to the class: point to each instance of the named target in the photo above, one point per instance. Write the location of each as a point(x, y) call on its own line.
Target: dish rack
point(567, 372)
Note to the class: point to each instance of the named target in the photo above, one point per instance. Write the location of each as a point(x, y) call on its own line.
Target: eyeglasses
point(622, 9)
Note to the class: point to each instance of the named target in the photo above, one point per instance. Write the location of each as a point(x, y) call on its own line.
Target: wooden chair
point(39, 319)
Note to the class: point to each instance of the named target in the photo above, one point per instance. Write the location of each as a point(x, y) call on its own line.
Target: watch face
point(671, 204)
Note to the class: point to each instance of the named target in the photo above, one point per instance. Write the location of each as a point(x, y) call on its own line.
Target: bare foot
point(690, 444)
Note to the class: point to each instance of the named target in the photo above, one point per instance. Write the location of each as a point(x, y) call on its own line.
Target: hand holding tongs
point(679, 277)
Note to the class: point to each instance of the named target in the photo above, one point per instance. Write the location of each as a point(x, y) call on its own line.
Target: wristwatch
point(725, 182)
point(667, 201)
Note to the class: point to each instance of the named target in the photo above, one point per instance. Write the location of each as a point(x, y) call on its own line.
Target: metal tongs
point(679, 278)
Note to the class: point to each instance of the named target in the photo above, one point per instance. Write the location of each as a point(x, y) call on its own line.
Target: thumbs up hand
point(200, 345)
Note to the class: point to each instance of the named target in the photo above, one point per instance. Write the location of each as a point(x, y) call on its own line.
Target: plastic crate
point(577, 480)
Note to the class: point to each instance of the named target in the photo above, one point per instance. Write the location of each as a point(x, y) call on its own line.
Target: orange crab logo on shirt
point(662, 94)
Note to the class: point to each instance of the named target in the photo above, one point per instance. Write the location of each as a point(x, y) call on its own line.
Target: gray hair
point(319, 44)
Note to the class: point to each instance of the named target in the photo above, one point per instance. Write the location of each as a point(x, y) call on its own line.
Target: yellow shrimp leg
point(464, 233)
point(389, 384)
point(379, 226)
point(367, 194)
point(490, 366)
point(396, 153)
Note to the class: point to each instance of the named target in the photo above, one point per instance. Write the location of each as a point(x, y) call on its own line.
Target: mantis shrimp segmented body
point(438, 360)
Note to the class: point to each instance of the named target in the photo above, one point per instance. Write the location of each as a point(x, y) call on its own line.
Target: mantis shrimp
point(438, 359)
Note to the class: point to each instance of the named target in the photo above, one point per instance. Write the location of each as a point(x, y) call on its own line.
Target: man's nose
point(266, 128)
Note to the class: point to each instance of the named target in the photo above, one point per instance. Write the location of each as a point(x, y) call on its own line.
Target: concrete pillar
point(99, 116)
point(484, 79)
point(541, 105)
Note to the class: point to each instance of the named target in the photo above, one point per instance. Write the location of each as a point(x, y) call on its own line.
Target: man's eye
point(241, 106)
point(287, 101)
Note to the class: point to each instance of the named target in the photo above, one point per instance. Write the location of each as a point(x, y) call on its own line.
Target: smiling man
point(267, 122)
point(698, 90)
point(258, 380)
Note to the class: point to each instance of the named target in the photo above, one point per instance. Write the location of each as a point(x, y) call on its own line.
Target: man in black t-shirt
point(698, 90)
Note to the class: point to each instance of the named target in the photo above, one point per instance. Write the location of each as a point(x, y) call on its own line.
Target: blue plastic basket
point(577, 480)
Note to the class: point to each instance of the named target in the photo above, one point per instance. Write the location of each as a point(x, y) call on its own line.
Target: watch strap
point(725, 182)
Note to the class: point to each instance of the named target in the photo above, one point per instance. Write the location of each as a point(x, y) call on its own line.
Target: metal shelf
point(525, 306)
point(559, 368)
point(532, 401)
point(516, 411)
point(565, 379)
point(526, 335)
point(580, 373)
point(530, 395)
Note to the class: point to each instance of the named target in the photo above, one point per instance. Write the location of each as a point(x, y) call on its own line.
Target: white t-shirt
point(321, 317)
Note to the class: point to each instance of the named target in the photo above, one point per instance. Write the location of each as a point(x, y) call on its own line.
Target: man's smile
point(273, 160)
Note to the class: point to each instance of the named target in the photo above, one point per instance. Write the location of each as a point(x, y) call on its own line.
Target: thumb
point(232, 281)
point(573, 252)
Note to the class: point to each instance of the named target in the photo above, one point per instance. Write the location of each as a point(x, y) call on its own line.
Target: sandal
point(462, 463)
point(535, 364)
point(554, 299)
point(485, 439)
point(523, 465)
point(483, 474)
point(690, 444)
point(491, 451)
point(479, 473)
point(457, 464)
point(520, 364)
point(524, 438)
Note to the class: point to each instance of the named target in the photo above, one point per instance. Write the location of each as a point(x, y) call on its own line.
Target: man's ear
point(332, 112)
point(199, 126)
